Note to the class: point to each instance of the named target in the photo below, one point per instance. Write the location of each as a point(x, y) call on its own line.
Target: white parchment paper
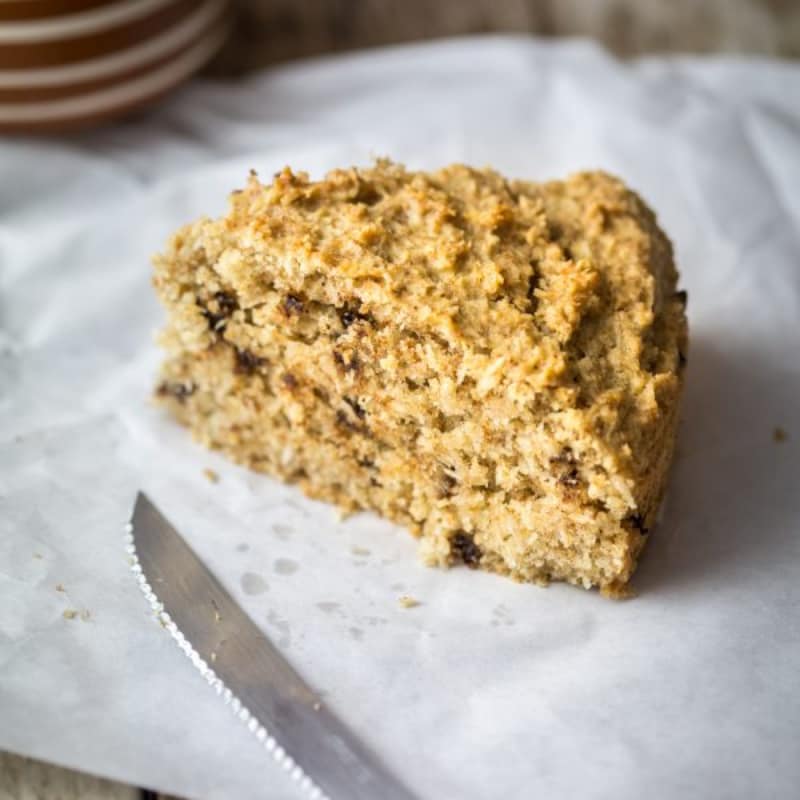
point(487, 689)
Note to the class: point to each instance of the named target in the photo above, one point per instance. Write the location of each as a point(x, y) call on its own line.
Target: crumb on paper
point(213, 656)
point(360, 551)
point(779, 434)
point(317, 705)
point(86, 615)
point(212, 476)
point(406, 601)
point(69, 613)
point(60, 587)
point(38, 555)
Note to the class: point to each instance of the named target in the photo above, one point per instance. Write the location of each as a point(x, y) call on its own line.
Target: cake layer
point(496, 365)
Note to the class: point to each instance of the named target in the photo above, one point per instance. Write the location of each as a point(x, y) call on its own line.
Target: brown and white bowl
point(70, 63)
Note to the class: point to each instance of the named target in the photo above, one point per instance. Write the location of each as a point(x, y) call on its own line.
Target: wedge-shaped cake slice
point(495, 364)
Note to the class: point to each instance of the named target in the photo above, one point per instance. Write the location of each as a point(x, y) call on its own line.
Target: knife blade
point(247, 670)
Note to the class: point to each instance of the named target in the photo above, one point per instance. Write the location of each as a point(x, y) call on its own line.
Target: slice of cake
point(495, 364)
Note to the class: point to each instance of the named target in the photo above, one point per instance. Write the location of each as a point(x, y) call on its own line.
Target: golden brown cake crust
point(496, 364)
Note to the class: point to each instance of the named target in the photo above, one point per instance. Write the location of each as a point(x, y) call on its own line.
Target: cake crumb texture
point(495, 364)
point(211, 475)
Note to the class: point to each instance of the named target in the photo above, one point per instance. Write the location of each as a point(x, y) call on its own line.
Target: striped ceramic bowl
point(70, 63)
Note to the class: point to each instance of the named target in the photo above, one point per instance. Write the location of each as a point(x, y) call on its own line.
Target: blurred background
point(274, 30)
point(67, 64)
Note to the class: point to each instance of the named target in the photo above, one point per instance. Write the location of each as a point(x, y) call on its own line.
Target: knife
point(241, 664)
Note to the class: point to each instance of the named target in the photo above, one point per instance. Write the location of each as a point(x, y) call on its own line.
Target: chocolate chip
point(366, 463)
point(463, 547)
point(226, 305)
point(216, 322)
point(226, 302)
point(320, 394)
point(353, 365)
point(533, 285)
point(292, 304)
point(637, 522)
point(445, 484)
point(289, 380)
point(358, 410)
point(570, 478)
point(343, 420)
point(681, 359)
point(180, 391)
point(351, 314)
point(348, 317)
point(246, 362)
point(682, 297)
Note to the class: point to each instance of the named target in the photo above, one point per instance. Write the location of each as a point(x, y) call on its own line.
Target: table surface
point(26, 779)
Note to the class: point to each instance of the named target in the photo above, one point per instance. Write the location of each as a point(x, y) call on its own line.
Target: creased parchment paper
point(487, 689)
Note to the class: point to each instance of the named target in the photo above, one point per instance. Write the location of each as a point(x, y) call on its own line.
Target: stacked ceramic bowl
point(71, 63)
